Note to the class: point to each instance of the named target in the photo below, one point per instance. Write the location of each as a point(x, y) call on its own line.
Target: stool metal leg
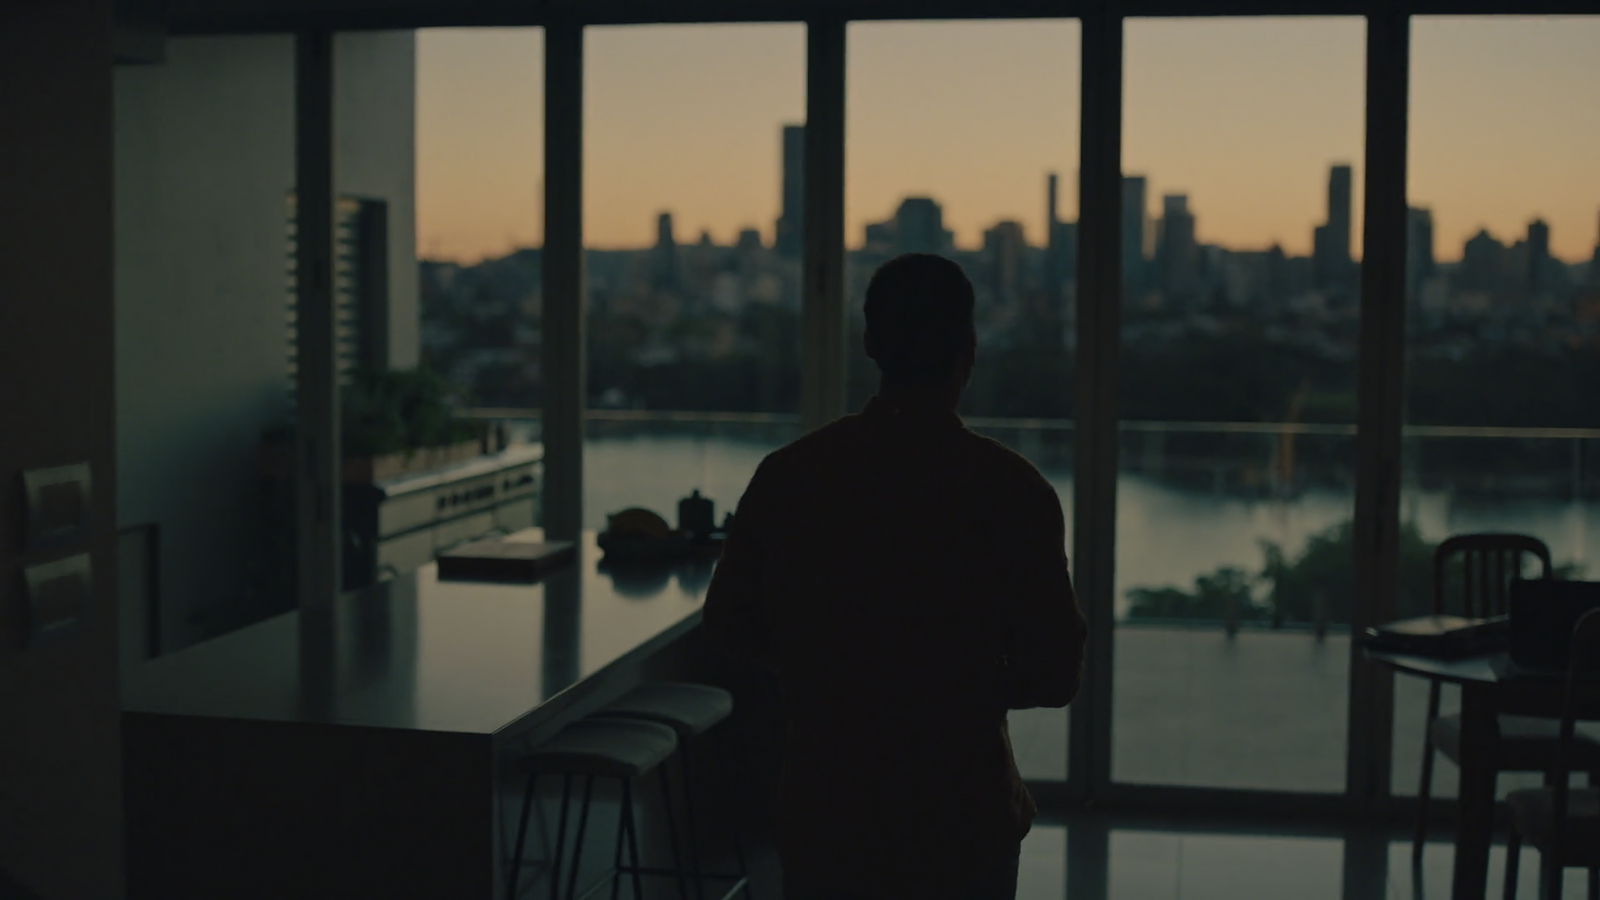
point(633, 840)
point(672, 831)
point(738, 854)
point(522, 834)
point(577, 844)
point(622, 833)
point(688, 814)
point(561, 838)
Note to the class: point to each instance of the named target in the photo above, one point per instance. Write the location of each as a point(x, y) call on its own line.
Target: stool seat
point(613, 748)
point(688, 709)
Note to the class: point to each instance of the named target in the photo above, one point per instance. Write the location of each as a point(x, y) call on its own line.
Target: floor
point(1264, 710)
point(1099, 857)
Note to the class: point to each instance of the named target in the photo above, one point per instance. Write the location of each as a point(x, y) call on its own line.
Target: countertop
point(423, 654)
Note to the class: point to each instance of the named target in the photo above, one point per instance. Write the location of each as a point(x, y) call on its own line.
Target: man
point(907, 580)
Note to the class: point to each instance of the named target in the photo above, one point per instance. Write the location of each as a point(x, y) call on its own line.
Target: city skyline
point(711, 151)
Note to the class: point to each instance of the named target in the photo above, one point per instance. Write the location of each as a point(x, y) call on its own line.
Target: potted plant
point(392, 422)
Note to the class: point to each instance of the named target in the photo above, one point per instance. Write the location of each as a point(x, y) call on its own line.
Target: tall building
point(664, 256)
point(1330, 255)
point(790, 231)
point(1133, 231)
point(1420, 262)
point(919, 226)
point(1540, 265)
point(1004, 247)
point(1177, 255)
point(1483, 262)
point(1061, 245)
point(1594, 262)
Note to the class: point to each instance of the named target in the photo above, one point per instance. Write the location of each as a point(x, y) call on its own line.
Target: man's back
point(907, 580)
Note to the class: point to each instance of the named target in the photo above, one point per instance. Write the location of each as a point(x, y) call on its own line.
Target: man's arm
point(732, 616)
point(1046, 631)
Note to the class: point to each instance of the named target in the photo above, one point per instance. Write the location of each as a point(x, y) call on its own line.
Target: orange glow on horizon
point(1242, 115)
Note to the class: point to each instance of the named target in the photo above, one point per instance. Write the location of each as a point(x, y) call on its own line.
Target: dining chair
point(1475, 571)
point(1563, 822)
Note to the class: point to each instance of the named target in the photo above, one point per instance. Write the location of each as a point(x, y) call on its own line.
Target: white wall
point(204, 161)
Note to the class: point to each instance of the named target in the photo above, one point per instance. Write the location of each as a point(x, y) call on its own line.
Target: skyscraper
point(1133, 235)
point(1330, 254)
point(1061, 246)
point(1177, 257)
point(1482, 266)
point(1594, 263)
point(1051, 186)
point(1539, 262)
point(1420, 263)
point(919, 226)
point(790, 229)
point(1004, 245)
point(664, 256)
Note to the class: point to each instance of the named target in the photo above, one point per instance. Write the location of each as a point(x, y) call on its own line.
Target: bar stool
point(689, 710)
point(598, 748)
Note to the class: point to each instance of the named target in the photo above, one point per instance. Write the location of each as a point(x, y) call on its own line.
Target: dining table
point(1491, 686)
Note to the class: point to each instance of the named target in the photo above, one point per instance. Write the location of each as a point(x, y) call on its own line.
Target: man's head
point(919, 322)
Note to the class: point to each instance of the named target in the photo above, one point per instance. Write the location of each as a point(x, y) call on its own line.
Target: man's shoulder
point(1007, 464)
point(817, 443)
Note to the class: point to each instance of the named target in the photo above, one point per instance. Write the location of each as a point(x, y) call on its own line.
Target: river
point(1166, 534)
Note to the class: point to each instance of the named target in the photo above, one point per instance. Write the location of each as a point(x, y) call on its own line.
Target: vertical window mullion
point(563, 341)
point(317, 476)
point(1099, 315)
point(822, 309)
point(1381, 401)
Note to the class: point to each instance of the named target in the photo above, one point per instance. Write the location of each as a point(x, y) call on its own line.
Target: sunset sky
point(1244, 116)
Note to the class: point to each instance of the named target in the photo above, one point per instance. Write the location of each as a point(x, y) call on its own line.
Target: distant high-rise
point(1133, 231)
point(919, 226)
point(790, 230)
point(1004, 245)
point(1483, 263)
point(1178, 256)
point(1061, 245)
point(1539, 261)
point(1594, 263)
point(1420, 263)
point(664, 256)
point(1330, 254)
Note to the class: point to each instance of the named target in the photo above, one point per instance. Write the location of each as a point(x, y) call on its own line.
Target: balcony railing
point(1281, 483)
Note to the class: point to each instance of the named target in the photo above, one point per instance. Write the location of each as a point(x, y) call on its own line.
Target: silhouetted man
point(907, 580)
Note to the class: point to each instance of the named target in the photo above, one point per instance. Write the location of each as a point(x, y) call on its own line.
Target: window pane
point(1503, 313)
point(691, 223)
point(1241, 215)
point(962, 139)
point(480, 161)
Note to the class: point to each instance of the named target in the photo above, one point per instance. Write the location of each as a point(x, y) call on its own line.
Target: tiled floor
point(1102, 860)
point(1264, 710)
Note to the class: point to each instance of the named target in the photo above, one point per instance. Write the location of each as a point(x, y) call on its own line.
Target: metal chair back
point(1583, 685)
point(1488, 563)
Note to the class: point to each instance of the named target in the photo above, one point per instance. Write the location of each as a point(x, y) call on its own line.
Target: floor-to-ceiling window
point(693, 163)
point(1502, 420)
point(1241, 217)
point(961, 138)
point(480, 154)
point(480, 229)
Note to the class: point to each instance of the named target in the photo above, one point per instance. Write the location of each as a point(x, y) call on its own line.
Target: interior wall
point(204, 164)
point(375, 128)
point(205, 161)
point(60, 763)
